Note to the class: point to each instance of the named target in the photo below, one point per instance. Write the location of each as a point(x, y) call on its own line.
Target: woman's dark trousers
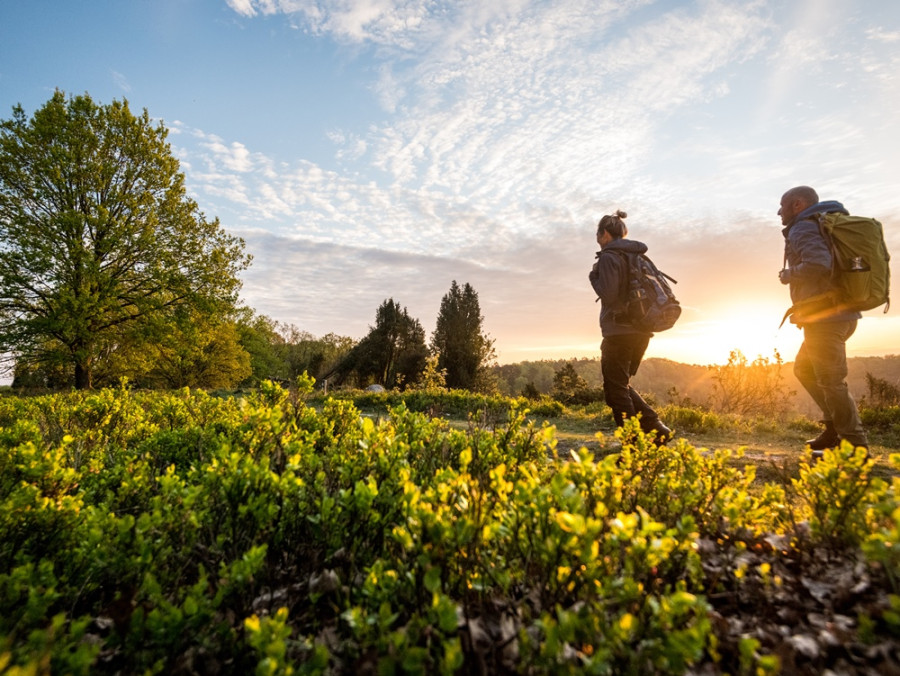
point(620, 356)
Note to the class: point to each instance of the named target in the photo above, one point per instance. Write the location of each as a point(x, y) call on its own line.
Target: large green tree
point(465, 350)
point(97, 234)
point(302, 352)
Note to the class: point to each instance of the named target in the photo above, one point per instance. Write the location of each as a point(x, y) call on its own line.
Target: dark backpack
point(650, 304)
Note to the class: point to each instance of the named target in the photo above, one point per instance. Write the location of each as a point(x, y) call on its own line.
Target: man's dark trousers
point(821, 367)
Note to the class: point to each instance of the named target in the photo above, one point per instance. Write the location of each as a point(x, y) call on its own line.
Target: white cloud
point(242, 7)
point(234, 157)
point(387, 22)
point(881, 35)
point(519, 104)
point(121, 81)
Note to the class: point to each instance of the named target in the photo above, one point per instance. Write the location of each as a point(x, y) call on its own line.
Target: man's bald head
point(796, 200)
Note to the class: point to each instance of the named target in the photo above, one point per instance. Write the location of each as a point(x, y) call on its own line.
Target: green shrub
point(691, 419)
point(880, 545)
point(677, 482)
point(883, 423)
point(835, 492)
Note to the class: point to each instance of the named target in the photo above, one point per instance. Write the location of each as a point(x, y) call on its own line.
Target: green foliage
point(282, 352)
point(270, 637)
point(704, 488)
point(193, 350)
point(571, 389)
point(694, 419)
point(484, 407)
point(691, 419)
point(836, 491)
point(259, 337)
point(148, 532)
point(881, 543)
point(513, 379)
point(881, 393)
point(433, 377)
point(545, 407)
point(883, 422)
point(99, 238)
point(392, 354)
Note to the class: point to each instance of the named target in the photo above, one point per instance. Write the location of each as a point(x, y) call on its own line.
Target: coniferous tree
point(392, 354)
point(569, 387)
point(394, 351)
point(567, 383)
point(465, 350)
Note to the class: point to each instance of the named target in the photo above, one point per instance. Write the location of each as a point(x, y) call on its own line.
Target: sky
point(375, 149)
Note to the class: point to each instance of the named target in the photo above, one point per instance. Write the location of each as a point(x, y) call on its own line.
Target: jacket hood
point(827, 207)
point(627, 245)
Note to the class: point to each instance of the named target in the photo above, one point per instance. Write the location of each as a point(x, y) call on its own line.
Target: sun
point(710, 339)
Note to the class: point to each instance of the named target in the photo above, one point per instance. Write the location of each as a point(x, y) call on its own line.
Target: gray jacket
point(609, 279)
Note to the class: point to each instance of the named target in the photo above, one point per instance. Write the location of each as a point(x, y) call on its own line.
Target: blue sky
point(380, 149)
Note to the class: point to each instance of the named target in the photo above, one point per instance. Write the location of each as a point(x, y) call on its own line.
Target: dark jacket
point(808, 258)
point(609, 278)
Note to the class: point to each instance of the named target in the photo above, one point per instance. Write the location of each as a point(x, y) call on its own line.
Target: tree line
point(108, 269)
point(763, 386)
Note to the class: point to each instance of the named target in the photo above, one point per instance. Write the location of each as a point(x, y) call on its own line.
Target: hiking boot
point(662, 434)
point(827, 439)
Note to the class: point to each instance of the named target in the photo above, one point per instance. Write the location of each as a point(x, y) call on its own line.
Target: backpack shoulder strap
point(624, 255)
point(631, 259)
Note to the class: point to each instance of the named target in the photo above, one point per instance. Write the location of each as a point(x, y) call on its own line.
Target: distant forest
point(668, 381)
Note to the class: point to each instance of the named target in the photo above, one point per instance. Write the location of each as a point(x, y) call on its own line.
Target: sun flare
point(753, 331)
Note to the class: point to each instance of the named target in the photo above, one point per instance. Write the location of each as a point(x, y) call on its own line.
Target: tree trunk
point(82, 376)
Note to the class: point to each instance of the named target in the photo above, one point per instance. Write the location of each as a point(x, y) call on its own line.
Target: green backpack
point(860, 260)
point(860, 268)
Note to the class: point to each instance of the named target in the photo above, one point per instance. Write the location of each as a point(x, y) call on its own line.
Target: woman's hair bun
point(614, 224)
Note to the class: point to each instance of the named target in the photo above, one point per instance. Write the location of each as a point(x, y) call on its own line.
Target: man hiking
point(821, 363)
